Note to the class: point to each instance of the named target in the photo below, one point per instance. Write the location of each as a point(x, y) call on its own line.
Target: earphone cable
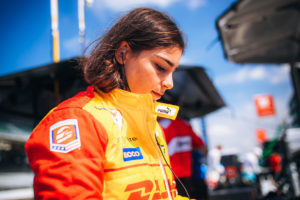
point(172, 170)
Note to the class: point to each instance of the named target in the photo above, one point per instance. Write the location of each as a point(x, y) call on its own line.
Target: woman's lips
point(157, 95)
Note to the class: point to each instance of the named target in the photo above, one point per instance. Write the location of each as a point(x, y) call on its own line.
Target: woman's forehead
point(162, 51)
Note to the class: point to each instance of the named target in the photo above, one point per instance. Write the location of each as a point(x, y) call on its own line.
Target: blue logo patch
point(132, 154)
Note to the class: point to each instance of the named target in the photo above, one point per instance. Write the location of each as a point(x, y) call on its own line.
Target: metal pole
point(203, 127)
point(55, 31)
point(55, 47)
point(81, 23)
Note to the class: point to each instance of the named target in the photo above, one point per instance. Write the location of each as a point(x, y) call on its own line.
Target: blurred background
point(247, 53)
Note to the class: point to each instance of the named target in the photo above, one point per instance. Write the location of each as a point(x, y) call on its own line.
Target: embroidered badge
point(117, 117)
point(166, 110)
point(64, 136)
point(132, 154)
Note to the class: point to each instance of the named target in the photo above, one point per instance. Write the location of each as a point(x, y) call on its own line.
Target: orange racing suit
point(100, 146)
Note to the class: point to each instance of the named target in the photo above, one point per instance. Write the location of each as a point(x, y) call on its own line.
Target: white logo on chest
point(117, 117)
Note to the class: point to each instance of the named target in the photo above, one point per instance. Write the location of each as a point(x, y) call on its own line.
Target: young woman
point(105, 143)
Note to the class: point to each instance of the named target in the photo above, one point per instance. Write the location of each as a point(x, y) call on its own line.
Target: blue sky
point(26, 43)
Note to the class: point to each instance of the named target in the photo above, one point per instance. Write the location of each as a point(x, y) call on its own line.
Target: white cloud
point(273, 74)
point(221, 130)
point(99, 6)
point(258, 73)
point(194, 4)
point(72, 45)
point(124, 5)
point(235, 126)
point(230, 132)
point(281, 75)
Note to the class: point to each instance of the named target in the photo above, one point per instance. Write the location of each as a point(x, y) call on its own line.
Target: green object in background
point(270, 148)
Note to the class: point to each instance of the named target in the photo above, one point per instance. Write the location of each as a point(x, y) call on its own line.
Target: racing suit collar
point(126, 98)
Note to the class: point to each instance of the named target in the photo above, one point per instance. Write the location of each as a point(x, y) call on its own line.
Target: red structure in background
point(261, 135)
point(264, 105)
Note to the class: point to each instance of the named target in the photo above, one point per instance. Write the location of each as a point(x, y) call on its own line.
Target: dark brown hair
point(142, 29)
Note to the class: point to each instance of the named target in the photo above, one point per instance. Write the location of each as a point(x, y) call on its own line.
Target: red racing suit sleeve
point(74, 174)
point(197, 141)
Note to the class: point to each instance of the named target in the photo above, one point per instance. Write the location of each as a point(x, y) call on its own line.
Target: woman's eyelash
point(160, 68)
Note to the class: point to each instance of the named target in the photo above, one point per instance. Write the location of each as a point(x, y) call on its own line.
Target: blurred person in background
point(250, 166)
point(101, 144)
point(182, 140)
point(215, 168)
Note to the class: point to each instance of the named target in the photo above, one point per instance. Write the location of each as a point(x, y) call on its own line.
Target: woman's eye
point(160, 68)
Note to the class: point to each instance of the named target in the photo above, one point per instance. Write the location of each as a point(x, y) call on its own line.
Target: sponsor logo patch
point(117, 117)
point(132, 139)
point(132, 154)
point(166, 110)
point(64, 136)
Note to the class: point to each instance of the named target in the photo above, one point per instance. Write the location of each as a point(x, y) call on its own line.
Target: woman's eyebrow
point(169, 62)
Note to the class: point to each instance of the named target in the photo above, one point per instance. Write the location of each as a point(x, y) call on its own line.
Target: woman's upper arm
point(66, 152)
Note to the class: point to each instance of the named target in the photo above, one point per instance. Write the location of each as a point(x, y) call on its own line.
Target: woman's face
point(151, 71)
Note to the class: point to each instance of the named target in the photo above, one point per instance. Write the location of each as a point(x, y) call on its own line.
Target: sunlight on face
point(151, 71)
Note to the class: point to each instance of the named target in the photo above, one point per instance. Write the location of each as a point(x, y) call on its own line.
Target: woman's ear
point(122, 52)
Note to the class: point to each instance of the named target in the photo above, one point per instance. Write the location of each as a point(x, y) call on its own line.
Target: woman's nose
point(168, 82)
